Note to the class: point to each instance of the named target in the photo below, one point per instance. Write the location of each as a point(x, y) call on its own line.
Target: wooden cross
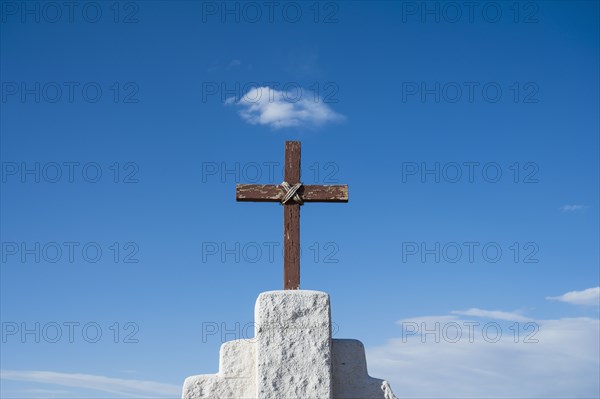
point(291, 194)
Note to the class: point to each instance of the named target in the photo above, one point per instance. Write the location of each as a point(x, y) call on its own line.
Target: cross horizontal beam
point(308, 193)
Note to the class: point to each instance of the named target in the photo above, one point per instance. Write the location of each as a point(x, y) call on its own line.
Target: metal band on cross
point(291, 192)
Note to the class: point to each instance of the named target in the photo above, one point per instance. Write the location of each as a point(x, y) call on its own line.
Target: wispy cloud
point(114, 386)
point(304, 63)
point(54, 393)
point(573, 208)
point(547, 359)
point(283, 109)
point(234, 63)
point(590, 297)
point(492, 314)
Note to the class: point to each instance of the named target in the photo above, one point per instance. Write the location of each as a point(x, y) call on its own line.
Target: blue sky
point(125, 127)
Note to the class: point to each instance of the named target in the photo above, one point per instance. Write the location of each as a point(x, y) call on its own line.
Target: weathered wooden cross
point(291, 194)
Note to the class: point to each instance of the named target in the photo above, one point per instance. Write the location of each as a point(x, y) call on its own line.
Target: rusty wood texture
point(274, 193)
point(291, 169)
point(291, 247)
point(291, 220)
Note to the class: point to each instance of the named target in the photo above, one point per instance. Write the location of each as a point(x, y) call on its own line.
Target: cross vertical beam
point(291, 220)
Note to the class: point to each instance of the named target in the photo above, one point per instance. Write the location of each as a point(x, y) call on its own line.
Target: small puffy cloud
point(234, 63)
point(590, 297)
point(283, 109)
point(573, 208)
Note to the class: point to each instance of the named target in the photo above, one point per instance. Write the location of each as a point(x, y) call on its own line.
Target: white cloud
point(115, 386)
point(54, 393)
point(234, 63)
point(573, 208)
point(492, 314)
point(562, 363)
point(284, 109)
point(591, 297)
